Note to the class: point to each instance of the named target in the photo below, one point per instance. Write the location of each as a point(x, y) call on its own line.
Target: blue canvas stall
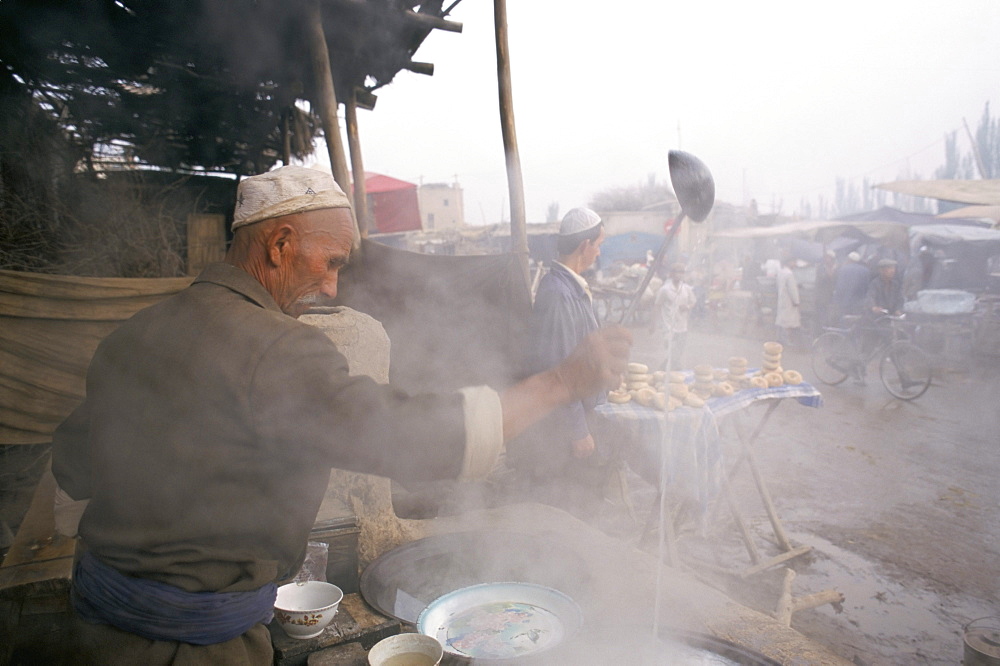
point(628, 248)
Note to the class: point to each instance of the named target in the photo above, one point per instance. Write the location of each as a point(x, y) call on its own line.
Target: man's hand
point(597, 363)
point(583, 448)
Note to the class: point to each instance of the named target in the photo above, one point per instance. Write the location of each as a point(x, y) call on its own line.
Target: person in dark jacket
point(851, 286)
point(885, 294)
point(563, 314)
point(202, 451)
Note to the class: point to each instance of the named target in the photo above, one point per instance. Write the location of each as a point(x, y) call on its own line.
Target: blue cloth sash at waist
point(158, 611)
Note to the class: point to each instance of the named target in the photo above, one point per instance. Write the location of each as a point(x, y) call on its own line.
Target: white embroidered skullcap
point(577, 220)
point(854, 256)
point(286, 190)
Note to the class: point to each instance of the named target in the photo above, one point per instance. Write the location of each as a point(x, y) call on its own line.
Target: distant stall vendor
point(202, 451)
point(885, 293)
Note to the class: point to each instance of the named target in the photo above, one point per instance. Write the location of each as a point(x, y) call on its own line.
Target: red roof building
point(392, 204)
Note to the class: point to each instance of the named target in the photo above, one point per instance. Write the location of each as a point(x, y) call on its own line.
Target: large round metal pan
point(405, 580)
point(499, 622)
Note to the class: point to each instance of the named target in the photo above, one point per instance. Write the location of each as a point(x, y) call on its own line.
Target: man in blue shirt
point(563, 315)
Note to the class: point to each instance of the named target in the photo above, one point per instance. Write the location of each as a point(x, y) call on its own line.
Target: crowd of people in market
point(791, 298)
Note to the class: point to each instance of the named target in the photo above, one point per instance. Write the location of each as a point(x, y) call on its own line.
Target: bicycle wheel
point(905, 370)
point(832, 358)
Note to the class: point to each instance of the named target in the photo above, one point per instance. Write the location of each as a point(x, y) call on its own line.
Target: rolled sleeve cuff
point(483, 431)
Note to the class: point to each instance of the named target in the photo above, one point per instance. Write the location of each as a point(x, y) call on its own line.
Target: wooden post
point(357, 165)
point(515, 184)
point(286, 137)
point(783, 612)
point(327, 99)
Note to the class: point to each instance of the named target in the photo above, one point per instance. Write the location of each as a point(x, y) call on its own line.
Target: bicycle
point(904, 368)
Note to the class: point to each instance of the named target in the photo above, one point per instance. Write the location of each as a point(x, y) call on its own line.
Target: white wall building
point(441, 206)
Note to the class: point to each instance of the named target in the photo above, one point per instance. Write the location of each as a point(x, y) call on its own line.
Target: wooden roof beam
point(423, 20)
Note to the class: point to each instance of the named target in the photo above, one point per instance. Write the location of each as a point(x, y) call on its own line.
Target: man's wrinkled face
point(318, 246)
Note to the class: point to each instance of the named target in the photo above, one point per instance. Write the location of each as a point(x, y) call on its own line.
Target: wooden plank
point(48, 577)
point(355, 622)
point(351, 654)
point(206, 241)
point(783, 612)
point(39, 560)
point(36, 540)
point(778, 559)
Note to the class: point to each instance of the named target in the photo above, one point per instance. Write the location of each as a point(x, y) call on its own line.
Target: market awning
point(889, 233)
point(985, 192)
point(978, 212)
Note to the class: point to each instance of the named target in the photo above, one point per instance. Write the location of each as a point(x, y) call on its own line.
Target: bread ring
point(792, 377)
point(737, 361)
point(694, 401)
point(640, 368)
point(673, 403)
point(619, 397)
point(703, 369)
point(773, 347)
point(769, 366)
point(679, 391)
point(659, 376)
point(772, 358)
point(639, 377)
point(758, 382)
point(645, 396)
point(677, 378)
point(774, 379)
point(660, 402)
point(723, 389)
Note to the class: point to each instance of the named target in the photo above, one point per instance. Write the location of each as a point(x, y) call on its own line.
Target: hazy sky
point(778, 98)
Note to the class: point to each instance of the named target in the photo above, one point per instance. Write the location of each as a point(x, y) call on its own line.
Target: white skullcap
point(577, 220)
point(854, 256)
point(284, 191)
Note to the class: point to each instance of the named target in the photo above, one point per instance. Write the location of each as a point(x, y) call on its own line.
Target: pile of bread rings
point(666, 392)
point(654, 390)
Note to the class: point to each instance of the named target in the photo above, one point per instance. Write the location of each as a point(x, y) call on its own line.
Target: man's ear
point(280, 243)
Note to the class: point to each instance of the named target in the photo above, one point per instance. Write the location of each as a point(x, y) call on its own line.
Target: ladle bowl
point(695, 191)
point(693, 184)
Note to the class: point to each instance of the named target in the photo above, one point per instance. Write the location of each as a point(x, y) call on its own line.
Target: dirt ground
point(899, 501)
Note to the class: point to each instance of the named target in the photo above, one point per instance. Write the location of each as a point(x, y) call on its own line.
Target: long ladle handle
point(652, 267)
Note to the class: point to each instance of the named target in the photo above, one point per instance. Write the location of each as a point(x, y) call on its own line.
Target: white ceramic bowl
point(406, 649)
point(305, 609)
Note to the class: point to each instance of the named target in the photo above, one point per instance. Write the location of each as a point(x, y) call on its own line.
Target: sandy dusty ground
point(899, 501)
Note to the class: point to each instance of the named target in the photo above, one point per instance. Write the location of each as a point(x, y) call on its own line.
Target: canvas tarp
point(892, 234)
point(986, 192)
point(50, 326)
point(964, 257)
point(973, 212)
point(452, 322)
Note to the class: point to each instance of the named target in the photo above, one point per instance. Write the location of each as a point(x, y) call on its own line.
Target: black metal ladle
point(695, 190)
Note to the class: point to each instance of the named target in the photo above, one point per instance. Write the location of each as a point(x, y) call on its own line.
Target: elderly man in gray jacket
point(202, 451)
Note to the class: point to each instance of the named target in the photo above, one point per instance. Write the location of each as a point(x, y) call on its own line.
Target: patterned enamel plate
point(500, 621)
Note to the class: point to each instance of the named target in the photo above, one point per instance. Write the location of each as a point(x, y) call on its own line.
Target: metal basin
point(404, 581)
